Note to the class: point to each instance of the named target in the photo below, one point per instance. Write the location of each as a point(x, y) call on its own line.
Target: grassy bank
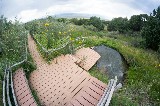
point(141, 86)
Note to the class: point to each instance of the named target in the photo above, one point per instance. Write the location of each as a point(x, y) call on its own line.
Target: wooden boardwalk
point(64, 82)
point(22, 90)
point(88, 58)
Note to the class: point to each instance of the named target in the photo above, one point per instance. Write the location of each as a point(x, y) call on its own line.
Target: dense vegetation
point(95, 21)
point(151, 30)
point(131, 37)
point(12, 47)
point(53, 34)
point(149, 26)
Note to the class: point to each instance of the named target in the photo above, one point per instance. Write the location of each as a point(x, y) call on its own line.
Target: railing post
point(106, 97)
point(7, 89)
point(14, 97)
point(4, 89)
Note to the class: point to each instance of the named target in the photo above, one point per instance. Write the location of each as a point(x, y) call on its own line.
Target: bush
point(118, 24)
point(155, 92)
point(137, 21)
point(90, 27)
point(12, 42)
point(96, 22)
point(151, 30)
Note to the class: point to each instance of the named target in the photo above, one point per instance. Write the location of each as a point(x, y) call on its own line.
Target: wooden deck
point(63, 82)
point(88, 58)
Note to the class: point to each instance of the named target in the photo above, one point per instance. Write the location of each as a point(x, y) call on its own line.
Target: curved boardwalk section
point(22, 90)
point(63, 82)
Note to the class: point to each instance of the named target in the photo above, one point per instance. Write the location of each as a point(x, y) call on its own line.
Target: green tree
point(151, 30)
point(136, 22)
point(74, 21)
point(64, 20)
point(118, 24)
point(97, 22)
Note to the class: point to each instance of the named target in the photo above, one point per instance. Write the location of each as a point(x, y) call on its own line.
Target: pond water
point(111, 62)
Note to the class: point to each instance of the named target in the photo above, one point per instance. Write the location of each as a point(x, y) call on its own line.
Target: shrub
point(151, 30)
point(118, 24)
point(96, 22)
point(137, 21)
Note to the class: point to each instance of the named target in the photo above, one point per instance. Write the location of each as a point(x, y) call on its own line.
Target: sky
point(26, 10)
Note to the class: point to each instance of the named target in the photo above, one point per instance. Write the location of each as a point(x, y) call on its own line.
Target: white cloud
point(27, 15)
point(107, 9)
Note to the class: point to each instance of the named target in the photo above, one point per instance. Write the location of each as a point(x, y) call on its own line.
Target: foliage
point(97, 74)
point(28, 66)
point(80, 21)
point(149, 26)
point(34, 93)
point(1, 92)
point(90, 27)
point(136, 22)
point(97, 22)
point(64, 20)
point(121, 100)
point(118, 24)
point(94, 21)
point(52, 34)
point(12, 41)
point(151, 30)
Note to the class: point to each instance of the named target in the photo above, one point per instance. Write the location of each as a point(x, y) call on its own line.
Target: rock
point(110, 63)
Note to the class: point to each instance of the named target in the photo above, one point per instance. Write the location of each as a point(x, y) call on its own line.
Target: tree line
point(147, 25)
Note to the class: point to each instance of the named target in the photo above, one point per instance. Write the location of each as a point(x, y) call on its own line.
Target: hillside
point(136, 39)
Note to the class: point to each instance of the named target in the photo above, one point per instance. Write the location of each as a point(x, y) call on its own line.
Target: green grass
point(99, 75)
point(1, 92)
point(142, 80)
point(34, 93)
point(122, 100)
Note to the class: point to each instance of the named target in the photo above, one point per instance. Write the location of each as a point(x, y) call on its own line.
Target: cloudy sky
point(26, 10)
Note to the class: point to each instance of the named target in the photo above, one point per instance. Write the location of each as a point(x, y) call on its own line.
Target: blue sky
point(26, 10)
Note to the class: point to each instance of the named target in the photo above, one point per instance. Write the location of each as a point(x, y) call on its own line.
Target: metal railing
point(55, 49)
point(50, 50)
point(8, 83)
point(4, 86)
point(107, 95)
